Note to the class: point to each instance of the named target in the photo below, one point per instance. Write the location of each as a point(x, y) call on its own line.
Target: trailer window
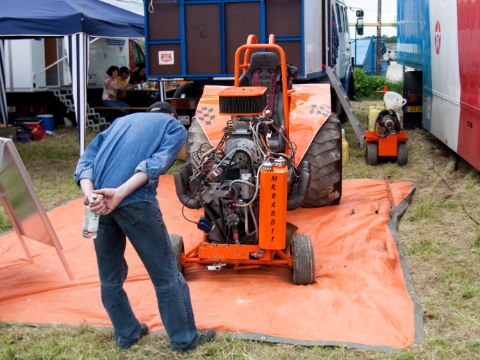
point(138, 55)
point(339, 19)
point(345, 18)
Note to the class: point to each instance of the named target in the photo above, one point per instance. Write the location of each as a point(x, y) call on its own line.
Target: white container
point(345, 150)
point(90, 222)
point(393, 100)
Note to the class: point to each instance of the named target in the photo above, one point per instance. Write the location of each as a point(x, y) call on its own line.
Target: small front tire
point(303, 260)
point(176, 241)
point(402, 154)
point(372, 153)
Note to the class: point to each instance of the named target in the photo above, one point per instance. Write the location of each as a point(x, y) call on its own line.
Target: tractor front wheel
point(402, 154)
point(372, 153)
point(325, 157)
point(303, 261)
point(176, 241)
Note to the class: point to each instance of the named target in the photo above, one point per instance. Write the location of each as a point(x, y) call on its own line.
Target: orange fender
point(309, 109)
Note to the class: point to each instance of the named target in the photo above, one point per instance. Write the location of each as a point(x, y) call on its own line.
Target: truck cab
point(195, 41)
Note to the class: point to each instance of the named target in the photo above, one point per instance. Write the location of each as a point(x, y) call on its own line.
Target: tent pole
point(3, 90)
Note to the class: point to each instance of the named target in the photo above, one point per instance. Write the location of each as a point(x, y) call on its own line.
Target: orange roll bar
point(252, 44)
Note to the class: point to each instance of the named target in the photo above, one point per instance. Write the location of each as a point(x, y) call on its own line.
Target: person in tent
point(110, 89)
point(139, 75)
point(122, 79)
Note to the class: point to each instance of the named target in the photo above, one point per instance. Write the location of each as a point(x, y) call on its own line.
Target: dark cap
point(162, 107)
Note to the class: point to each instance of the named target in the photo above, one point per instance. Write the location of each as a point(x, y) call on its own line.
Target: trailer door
point(343, 51)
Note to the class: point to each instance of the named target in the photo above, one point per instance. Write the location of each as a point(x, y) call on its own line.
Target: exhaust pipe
point(184, 194)
point(297, 197)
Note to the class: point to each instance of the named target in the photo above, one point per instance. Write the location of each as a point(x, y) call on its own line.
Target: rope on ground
point(386, 178)
point(459, 201)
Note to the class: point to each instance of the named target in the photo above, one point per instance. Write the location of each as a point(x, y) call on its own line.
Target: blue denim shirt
point(147, 142)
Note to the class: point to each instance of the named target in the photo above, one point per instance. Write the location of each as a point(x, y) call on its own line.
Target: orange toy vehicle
point(385, 137)
point(253, 174)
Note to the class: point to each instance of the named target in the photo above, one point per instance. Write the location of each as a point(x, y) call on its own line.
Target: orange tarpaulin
point(360, 297)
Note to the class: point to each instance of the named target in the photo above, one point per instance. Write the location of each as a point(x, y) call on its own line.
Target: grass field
point(439, 233)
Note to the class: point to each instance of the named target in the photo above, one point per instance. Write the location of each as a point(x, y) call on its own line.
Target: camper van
point(41, 64)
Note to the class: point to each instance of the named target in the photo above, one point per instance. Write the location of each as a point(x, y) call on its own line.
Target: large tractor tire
point(184, 91)
point(325, 158)
point(176, 241)
point(303, 260)
point(196, 139)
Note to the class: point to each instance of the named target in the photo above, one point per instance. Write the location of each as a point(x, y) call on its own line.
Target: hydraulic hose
point(298, 195)
point(184, 194)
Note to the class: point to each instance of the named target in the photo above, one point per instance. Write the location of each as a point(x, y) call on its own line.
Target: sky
point(389, 13)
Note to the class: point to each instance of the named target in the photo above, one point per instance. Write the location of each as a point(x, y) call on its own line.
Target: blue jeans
point(116, 103)
point(143, 224)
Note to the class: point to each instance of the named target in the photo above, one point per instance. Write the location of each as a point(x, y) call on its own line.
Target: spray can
point(90, 221)
point(345, 150)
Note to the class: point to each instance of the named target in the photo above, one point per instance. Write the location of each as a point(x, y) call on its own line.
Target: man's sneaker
point(144, 330)
point(206, 336)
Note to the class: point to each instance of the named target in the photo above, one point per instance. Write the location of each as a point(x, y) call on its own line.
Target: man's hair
point(162, 107)
point(140, 66)
point(111, 69)
point(123, 70)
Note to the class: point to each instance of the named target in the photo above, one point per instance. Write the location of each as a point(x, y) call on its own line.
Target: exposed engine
point(225, 180)
point(388, 122)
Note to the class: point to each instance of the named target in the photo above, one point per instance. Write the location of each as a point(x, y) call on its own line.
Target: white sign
point(166, 58)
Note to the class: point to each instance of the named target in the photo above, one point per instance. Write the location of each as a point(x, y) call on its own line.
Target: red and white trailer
point(440, 39)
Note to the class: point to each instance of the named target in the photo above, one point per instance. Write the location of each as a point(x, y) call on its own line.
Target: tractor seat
point(264, 64)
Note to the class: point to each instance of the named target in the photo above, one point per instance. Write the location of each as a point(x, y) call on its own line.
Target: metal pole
point(379, 35)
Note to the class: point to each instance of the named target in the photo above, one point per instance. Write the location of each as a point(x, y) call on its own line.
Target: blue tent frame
point(74, 19)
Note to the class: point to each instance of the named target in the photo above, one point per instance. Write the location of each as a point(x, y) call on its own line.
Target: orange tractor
point(385, 137)
point(245, 171)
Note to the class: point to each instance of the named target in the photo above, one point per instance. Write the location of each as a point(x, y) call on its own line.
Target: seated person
point(124, 73)
point(139, 75)
point(110, 88)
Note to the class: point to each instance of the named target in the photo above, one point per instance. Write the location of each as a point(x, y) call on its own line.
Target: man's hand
point(111, 199)
point(98, 204)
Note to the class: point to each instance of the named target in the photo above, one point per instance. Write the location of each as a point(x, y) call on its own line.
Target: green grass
point(423, 212)
point(449, 205)
point(476, 240)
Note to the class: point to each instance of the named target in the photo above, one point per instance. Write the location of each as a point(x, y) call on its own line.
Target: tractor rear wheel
point(402, 154)
point(325, 157)
point(303, 261)
point(196, 139)
point(371, 155)
point(176, 241)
